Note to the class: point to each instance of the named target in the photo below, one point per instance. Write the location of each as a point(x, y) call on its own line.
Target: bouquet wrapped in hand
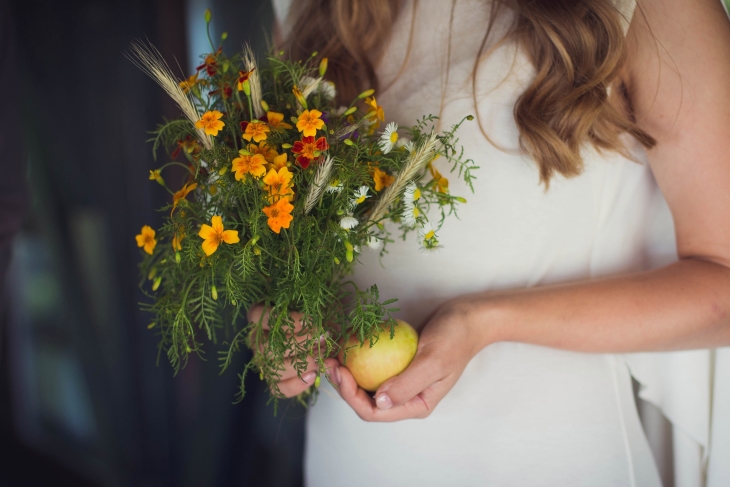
point(282, 189)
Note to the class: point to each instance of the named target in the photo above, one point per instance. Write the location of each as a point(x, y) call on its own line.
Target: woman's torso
point(520, 414)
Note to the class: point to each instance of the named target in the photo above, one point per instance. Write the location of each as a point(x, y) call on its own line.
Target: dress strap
point(626, 8)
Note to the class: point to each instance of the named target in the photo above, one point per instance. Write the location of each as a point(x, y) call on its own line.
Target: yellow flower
point(256, 131)
point(299, 96)
point(210, 122)
point(279, 162)
point(276, 122)
point(177, 238)
point(155, 176)
point(441, 183)
point(253, 165)
point(309, 122)
point(146, 239)
point(213, 235)
point(375, 110)
point(182, 194)
point(278, 184)
point(279, 215)
point(264, 149)
point(382, 179)
point(188, 84)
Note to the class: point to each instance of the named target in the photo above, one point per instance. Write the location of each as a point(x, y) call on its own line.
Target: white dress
point(520, 415)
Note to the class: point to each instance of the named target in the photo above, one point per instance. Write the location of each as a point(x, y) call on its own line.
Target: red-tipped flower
point(309, 149)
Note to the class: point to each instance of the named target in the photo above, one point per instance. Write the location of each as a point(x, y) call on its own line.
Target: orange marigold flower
point(382, 179)
point(189, 145)
point(299, 96)
point(279, 215)
point(441, 183)
point(275, 120)
point(210, 122)
point(278, 184)
point(244, 76)
point(182, 194)
point(309, 149)
point(309, 122)
point(264, 149)
point(156, 176)
point(213, 235)
point(210, 64)
point(279, 162)
point(256, 131)
point(253, 165)
point(375, 111)
point(187, 84)
point(146, 239)
point(177, 238)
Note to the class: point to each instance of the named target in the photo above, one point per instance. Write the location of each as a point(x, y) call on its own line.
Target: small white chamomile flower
point(411, 213)
point(409, 146)
point(335, 186)
point(327, 90)
point(361, 194)
point(412, 193)
point(374, 243)
point(426, 232)
point(389, 137)
point(348, 222)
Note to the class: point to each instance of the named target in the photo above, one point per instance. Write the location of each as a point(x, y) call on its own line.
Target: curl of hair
point(578, 49)
point(350, 33)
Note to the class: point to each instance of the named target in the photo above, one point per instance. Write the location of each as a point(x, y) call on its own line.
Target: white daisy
point(409, 146)
point(360, 195)
point(389, 137)
point(412, 193)
point(327, 90)
point(348, 222)
point(335, 186)
point(305, 82)
point(374, 242)
point(426, 232)
point(411, 214)
point(427, 236)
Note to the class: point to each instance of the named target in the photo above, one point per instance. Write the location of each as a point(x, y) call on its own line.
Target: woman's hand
point(290, 384)
point(446, 345)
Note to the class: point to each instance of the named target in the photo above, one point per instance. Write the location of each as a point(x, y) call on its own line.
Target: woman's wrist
point(484, 317)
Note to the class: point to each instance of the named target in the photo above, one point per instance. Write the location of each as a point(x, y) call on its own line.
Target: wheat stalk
point(249, 60)
point(418, 159)
point(320, 182)
point(150, 61)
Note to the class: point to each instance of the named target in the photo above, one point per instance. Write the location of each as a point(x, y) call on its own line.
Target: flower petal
point(230, 236)
point(206, 232)
point(217, 223)
point(209, 246)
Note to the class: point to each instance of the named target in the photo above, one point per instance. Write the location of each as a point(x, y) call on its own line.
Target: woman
point(520, 377)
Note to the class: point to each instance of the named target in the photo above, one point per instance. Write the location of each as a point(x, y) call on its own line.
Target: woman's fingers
point(365, 406)
point(259, 313)
point(291, 385)
point(423, 371)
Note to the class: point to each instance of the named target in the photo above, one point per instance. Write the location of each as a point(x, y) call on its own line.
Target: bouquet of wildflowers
point(282, 190)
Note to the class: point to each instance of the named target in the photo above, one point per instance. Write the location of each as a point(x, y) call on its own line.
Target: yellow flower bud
point(208, 15)
point(256, 251)
point(254, 239)
point(261, 375)
point(156, 283)
point(152, 273)
point(349, 111)
point(460, 199)
point(223, 170)
point(349, 142)
point(337, 261)
point(348, 245)
point(178, 258)
point(224, 36)
point(286, 146)
point(323, 66)
point(317, 381)
point(470, 117)
point(214, 293)
point(244, 152)
point(247, 88)
point(264, 105)
point(366, 94)
point(151, 325)
point(349, 256)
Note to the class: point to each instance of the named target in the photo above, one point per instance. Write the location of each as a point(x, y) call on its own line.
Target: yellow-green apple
point(371, 366)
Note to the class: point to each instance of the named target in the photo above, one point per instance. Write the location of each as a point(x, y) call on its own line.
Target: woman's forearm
point(685, 305)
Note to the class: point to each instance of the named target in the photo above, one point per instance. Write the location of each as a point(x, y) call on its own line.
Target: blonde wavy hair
point(578, 49)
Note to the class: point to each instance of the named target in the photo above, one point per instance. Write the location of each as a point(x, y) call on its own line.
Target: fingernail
point(383, 401)
point(334, 375)
point(337, 376)
point(309, 377)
